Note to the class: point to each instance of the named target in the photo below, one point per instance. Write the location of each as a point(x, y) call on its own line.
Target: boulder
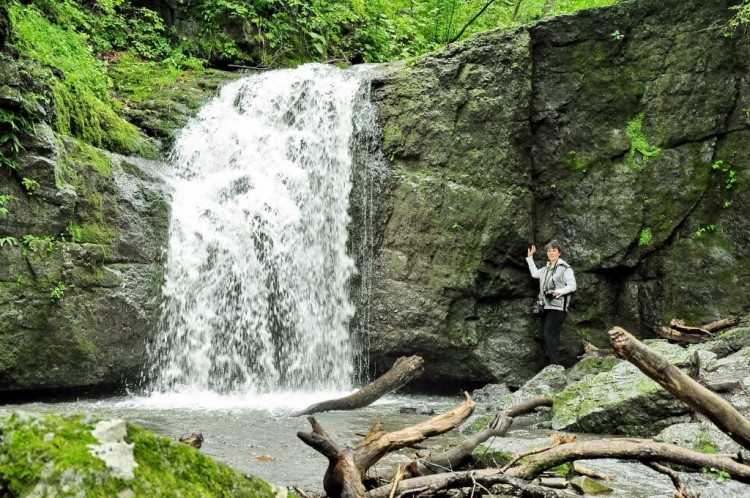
point(587, 486)
point(621, 400)
point(76, 455)
point(703, 437)
point(80, 286)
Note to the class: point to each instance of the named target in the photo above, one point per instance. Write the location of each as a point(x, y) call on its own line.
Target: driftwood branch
point(678, 331)
point(403, 371)
point(372, 451)
point(347, 467)
point(643, 450)
point(690, 335)
point(557, 439)
point(452, 480)
point(682, 492)
point(460, 454)
point(720, 324)
point(697, 397)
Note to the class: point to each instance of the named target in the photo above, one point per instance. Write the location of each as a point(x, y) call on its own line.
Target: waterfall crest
point(256, 291)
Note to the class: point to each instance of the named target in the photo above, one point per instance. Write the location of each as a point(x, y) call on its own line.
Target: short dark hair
point(553, 243)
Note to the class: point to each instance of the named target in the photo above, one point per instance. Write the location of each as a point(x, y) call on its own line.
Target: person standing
point(556, 282)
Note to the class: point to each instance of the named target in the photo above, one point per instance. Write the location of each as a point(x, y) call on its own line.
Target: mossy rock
point(160, 99)
point(592, 365)
point(620, 401)
point(485, 458)
point(74, 455)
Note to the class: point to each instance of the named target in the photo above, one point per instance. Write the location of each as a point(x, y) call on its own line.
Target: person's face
point(553, 254)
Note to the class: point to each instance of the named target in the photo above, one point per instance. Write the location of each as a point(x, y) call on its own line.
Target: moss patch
point(485, 458)
point(88, 170)
point(640, 150)
point(53, 456)
point(160, 98)
point(81, 89)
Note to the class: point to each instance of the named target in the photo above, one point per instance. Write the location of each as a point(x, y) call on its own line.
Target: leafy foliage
point(45, 31)
point(15, 124)
point(271, 33)
point(740, 21)
point(79, 39)
point(640, 150)
point(4, 200)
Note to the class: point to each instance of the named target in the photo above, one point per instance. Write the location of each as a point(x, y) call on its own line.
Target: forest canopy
point(282, 33)
point(106, 56)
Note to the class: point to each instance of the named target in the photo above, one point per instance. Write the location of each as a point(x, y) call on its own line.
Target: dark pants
point(553, 321)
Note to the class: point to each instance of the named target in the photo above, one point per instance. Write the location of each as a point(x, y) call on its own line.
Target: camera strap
point(548, 277)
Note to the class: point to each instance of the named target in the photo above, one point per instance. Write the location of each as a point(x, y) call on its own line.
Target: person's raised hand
point(531, 250)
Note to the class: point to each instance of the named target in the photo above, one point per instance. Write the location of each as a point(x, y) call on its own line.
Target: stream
point(256, 435)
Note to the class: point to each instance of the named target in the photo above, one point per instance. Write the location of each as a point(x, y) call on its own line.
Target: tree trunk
point(697, 397)
point(691, 335)
point(403, 371)
point(347, 467)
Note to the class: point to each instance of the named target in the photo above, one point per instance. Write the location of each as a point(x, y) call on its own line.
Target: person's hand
point(531, 250)
point(555, 294)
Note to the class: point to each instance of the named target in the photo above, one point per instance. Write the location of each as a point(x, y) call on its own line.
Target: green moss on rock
point(485, 457)
point(160, 98)
point(71, 455)
point(640, 150)
point(83, 106)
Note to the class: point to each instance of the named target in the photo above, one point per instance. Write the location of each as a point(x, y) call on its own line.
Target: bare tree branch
point(697, 397)
point(471, 21)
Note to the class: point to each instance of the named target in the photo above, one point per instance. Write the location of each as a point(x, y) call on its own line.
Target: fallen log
point(697, 397)
point(643, 450)
point(348, 466)
point(458, 455)
point(720, 324)
point(693, 335)
point(682, 492)
point(678, 331)
point(557, 439)
point(453, 480)
point(403, 371)
point(591, 350)
point(499, 425)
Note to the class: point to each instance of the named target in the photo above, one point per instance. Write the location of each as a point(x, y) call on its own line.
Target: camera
point(549, 292)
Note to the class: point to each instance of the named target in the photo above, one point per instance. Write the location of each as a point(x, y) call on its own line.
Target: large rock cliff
point(622, 132)
point(81, 237)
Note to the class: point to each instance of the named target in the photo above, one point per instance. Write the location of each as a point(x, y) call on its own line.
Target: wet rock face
point(80, 266)
point(616, 131)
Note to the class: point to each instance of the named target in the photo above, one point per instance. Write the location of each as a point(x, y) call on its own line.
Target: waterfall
point(257, 280)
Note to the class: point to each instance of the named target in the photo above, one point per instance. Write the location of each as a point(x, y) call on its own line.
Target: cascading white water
point(256, 284)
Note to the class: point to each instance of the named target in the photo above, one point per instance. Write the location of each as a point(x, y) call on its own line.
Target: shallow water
point(258, 436)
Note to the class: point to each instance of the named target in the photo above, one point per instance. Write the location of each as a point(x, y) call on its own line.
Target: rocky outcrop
point(608, 395)
point(73, 455)
point(621, 400)
point(80, 265)
point(622, 132)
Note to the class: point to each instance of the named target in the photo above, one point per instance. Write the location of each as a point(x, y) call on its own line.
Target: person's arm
point(535, 272)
